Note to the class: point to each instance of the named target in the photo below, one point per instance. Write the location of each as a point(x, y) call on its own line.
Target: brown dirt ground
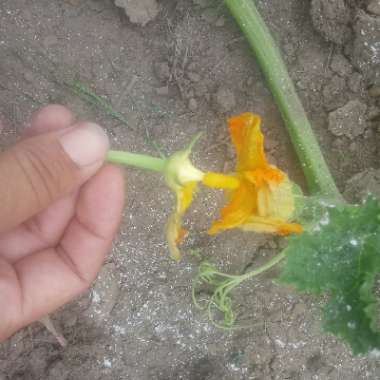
point(181, 73)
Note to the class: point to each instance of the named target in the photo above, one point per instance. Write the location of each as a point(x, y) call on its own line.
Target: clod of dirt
point(374, 91)
point(366, 48)
point(315, 363)
point(58, 370)
point(37, 360)
point(162, 91)
point(331, 19)
point(161, 71)
point(355, 82)
point(193, 105)
point(340, 65)
point(348, 120)
point(220, 21)
point(374, 7)
point(335, 93)
point(193, 76)
point(224, 100)
point(139, 11)
point(373, 114)
point(358, 187)
point(203, 3)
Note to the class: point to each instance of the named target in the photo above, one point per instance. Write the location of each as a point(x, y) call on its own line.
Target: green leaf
point(340, 256)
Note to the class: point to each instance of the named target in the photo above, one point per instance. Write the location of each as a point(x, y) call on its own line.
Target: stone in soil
point(374, 7)
point(139, 11)
point(161, 71)
point(193, 104)
point(366, 48)
point(331, 19)
point(340, 65)
point(363, 183)
point(348, 120)
point(224, 100)
point(374, 91)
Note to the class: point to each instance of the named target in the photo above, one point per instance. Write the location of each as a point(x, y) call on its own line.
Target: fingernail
point(86, 144)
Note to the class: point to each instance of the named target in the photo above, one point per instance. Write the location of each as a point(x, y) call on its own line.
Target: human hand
point(60, 208)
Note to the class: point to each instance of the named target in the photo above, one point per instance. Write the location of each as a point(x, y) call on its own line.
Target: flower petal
point(220, 181)
point(240, 207)
point(282, 199)
point(174, 230)
point(268, 174)
point(248, 140)
point(270, 225)
point(185, 196)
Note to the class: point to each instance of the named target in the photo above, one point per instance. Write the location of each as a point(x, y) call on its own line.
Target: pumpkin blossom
point(260, 196)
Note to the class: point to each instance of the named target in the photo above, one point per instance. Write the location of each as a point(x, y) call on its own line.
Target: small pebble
point(374, 91)
point(348, 120)
point(224, 100)
point(355, 82)
point(374, 7)
point(220, 21)
point(193, 105)
point(352, 147)
point(193, 76)
point(202, 3)
point(373, 112)
point(162, 71)
point(162, 91)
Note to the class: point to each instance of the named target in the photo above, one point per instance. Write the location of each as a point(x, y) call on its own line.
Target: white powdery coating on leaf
point(375, 353)
point(325, 220)
point(351, 325)
point(354, 242)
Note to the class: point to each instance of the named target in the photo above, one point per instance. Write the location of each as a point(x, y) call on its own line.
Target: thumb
point(39, 170)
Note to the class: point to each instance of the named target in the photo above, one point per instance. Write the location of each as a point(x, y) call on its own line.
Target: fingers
point(98, 213)
point(42, 231)
point(41, 169)
point(48, 119)
point(46, 228)
point(48, 279)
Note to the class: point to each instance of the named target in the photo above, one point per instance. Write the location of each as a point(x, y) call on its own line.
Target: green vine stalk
point(317, 173)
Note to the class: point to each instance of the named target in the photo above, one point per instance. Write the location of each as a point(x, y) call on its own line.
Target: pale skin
point(60, 209)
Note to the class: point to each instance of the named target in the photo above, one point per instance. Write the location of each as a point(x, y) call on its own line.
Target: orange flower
point(260, 195)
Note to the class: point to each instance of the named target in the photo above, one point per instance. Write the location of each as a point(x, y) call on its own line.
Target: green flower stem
point(222, 284)
point(316, 171)
point(138, 160)
point(271, 263)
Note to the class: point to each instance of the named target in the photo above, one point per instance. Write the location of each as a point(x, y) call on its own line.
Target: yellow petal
point(239, 208)
point(264, 175)
point(237, 126)
point(276, 200)
point(248, 140)
point(264, 201)
point(172, 232)
point(185, 196)
point(282, 199)
point(270, 225)
point(220, 181)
